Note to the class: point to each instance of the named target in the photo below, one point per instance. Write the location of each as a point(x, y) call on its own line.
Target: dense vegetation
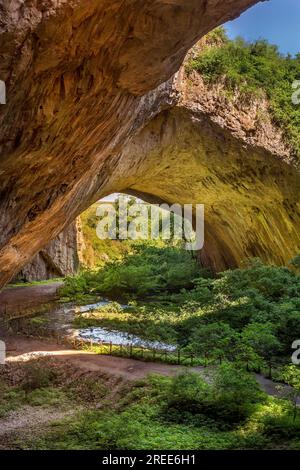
point(253, 68)
point(249, 315)
point(97, 252)
point(184, 413)
point(189, 411)
point(146, 270)
point(242, 320)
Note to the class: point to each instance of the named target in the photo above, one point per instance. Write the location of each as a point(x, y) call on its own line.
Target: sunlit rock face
point(227, 154)
point(83, 77)
point(59, 258)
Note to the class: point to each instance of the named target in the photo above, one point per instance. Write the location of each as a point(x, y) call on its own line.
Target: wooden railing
point(178, 356)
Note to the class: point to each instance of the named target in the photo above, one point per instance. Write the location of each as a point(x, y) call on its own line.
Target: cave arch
point(83, 77)
point(250, 193)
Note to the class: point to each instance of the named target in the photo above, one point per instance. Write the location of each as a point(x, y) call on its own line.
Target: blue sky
point(278, 21)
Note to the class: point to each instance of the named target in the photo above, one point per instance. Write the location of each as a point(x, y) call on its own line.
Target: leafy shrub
point(261, 338)
point(216, 339)
point(249, 315)
point(235, 392)
point(36, 377)
point(256, 68)
point(147, 416)
point(187, 392)
point(148, 270)
point(228, 399)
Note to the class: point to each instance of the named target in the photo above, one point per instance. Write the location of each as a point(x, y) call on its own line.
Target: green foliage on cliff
point(254, 68)
point(97, 252)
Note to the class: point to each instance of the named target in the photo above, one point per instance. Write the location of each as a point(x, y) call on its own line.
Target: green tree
point(261, 338)
point(259, 341)
point(213, 340)
point(234, 391)
point(259, 69)
point(291, 375)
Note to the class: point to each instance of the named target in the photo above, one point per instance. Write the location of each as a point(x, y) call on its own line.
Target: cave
point(118, 331)
point(95, 105)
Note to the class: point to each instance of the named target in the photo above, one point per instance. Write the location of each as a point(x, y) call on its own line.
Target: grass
point(248, 315)
point(14, 398)
point(47, 383)
point(143, 417)
point(34, 283)
point(254, 69)
point(226, 410)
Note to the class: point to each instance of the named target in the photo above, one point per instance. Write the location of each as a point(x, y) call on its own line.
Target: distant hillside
point(94, 251)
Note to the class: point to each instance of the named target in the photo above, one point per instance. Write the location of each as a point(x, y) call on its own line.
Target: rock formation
point(58, 259)
point(227, 154)
point(83, 78)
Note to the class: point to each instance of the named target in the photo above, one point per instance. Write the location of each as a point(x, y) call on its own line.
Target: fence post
point(153, 353)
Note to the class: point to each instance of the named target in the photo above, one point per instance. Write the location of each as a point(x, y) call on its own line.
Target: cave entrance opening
point(114, 225)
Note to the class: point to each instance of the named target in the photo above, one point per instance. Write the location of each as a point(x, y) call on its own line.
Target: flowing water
point(98, 335)
point(59, 318)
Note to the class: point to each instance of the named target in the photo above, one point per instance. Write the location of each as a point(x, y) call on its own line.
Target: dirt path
point(29, 421)
point(21, 349)
point(14, 297)
point(274, 389)
point(30, 417)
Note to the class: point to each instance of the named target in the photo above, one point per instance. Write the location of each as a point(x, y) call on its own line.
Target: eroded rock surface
point(58, 259)
point(228, 155)
point(83, 77)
